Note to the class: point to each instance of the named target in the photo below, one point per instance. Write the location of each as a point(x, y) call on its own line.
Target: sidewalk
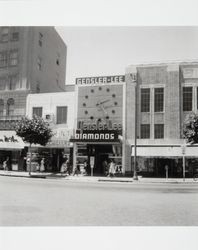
point(95, 178)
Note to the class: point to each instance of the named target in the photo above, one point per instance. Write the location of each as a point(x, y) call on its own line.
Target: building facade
point(163, 95)
point(99, 125)
point(59, 110)
point(32, 60)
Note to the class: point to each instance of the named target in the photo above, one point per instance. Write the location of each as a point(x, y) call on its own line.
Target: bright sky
point(100, 51)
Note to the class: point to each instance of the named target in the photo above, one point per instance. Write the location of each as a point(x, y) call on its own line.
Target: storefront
point(100, 124)
point(55, 152)
point(153, 159)
point(12, 150)
point(97, 148)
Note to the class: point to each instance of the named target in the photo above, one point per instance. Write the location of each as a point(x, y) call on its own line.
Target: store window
point(10, 106)
point(3, 59)
point(159, 131)
point(145, 131)
point(61, 115)
point(187, 98)
point(1, 107)
point(13, 59)
point(159, 99)
point(145, 100)
point(4, 34)
point(37, 111)
point(3, 83)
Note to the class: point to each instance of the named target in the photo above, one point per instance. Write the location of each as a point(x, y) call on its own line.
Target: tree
point(190, 129)
point(33, 131)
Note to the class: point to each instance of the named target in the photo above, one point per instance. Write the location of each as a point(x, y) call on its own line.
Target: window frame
point(14, 59)
point(156, 107)
point(159, 132)
point(58, 119)
point(141, 100)
point(147, 129)
point(37, 109)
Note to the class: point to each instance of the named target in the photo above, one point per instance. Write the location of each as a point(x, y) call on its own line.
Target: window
point(159, 131)
point(145, 100)
point(37, 111)
point(187, 98)
point(10, 106)
point(38, 87)
point(159, 99)
point(145, 131)
point(61, 115)
point(14, 34)
point(1, 107)
point(13, 60)
point(13, 80)
point(2, 83)
point(39, 63)
point(3, 59)
point(4, 34)
point(40, 39)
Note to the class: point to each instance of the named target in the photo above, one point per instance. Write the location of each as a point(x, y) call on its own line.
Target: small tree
point(190, 129)
point(33, 131)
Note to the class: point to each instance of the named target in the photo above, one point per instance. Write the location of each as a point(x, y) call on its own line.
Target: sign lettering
point(100, 80)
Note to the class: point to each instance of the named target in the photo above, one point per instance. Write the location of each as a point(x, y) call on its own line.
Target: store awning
point(166, 151)
point(10, 141)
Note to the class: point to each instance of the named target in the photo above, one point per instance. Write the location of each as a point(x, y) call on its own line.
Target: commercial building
point(32, 60)
point(100, 123)
point(162, 95)
point(59, 110)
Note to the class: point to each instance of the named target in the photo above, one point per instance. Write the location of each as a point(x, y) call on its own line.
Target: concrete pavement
point(80, 178)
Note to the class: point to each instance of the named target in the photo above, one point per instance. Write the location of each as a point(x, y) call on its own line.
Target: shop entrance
point(159, 167)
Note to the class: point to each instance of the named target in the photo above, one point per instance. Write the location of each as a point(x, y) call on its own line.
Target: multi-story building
point(59, 110)
point(162, 95)
point(32, 60)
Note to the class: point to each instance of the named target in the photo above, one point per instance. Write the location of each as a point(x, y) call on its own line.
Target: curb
point(100, 180)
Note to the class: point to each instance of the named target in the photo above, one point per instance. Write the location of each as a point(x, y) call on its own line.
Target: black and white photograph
point(98, 130)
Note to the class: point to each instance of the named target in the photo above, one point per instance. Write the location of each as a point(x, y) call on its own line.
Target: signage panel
point(100, 80)
point(95, 136)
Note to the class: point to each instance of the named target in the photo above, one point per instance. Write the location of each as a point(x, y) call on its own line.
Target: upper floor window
point(13, 59)
point(40, 39)
point(3, 59)
point(39, 63)
point(38, 89)
point(61, 117)
point(4, 34)
point(159, 131)
point(13, 80)
point(3, 83)
point(159, 99)
point(37, 111)
point(10, 106)
point(1, 107)
point(145, 131)
point(187, 98)
point(145, 100)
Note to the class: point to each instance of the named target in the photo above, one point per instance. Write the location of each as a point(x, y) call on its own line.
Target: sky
point(102, 50)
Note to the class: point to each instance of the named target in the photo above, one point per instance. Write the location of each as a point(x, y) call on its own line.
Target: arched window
point(10, 106)
point(1, 107)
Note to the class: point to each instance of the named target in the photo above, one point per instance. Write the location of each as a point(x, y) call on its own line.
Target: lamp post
point(135, 177)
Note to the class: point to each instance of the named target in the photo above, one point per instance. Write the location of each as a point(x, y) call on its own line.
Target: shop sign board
point(95, 136)
point(100, 126)
point(100, 80)
point(61, 137)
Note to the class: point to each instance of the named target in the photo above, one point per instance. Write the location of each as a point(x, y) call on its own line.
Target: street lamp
point(135, 177)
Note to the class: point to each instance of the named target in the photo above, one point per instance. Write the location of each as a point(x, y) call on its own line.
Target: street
point(55, 202)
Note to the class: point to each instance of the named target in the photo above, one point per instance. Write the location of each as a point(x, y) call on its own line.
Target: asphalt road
point(44, 202)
